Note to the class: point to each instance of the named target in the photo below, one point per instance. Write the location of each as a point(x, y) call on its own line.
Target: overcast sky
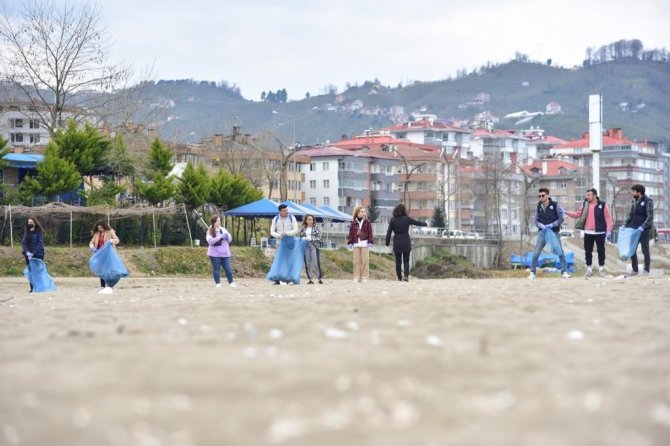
point(304, 45)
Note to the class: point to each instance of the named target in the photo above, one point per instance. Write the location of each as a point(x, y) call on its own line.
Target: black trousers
point(644, 243)
point(599, 240)
point(401, 257)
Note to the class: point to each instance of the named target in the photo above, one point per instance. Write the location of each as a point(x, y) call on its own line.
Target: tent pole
point(188, 225)
point(153, 221)
point(11, 232)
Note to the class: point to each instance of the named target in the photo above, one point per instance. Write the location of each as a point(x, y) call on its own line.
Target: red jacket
point(364, 233)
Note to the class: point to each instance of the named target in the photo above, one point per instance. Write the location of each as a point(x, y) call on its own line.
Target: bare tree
point(529, 182)
point(277, 156)
point(56, 54)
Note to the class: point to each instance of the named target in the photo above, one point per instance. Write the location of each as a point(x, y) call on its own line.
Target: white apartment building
point(321, 177)
point(21, 127)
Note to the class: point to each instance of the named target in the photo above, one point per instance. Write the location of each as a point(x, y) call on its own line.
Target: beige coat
point(109, 235)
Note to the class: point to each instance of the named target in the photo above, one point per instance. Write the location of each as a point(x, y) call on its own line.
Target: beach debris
point(182, 321)
point(403, 323)
point(352, 325)
point(334, 333)
point(403, 414)
point(275, 333)
point(284, 429)
point(593, 401)
point(433, 341)
point(575, 335)
point(660, 413)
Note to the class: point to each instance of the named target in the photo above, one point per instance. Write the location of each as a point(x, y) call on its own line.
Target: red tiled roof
point(496, 134)
point(424, 124)
point(553, 166)
point(584, 142)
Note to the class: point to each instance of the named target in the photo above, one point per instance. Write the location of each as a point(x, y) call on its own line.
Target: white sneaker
point(565, 275)
point(106, 290)
point(232, 285)
point(601, 271)
point(589, 272)
point(218, 285)
point(531, 276)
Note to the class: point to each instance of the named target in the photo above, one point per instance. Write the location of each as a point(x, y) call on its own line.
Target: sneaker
point(232, 285)
point(601, 271)
point(406, 279)
point(644, 273)
point(589, 272)
point(106, 290)
point(565, 275)
point(310, 283)
point(218, 285)
point(531, 276)
point(633, 273)
point(277, 282)
point(320, 282)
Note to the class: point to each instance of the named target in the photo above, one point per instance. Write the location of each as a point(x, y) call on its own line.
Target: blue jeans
point(539, 246)
point(217, 263)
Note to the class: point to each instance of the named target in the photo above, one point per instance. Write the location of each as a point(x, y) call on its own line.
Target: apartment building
point(432, 132)
point(623, 162)
point(21, 127)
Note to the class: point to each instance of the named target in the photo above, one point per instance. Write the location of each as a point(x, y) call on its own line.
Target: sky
point(305, 45)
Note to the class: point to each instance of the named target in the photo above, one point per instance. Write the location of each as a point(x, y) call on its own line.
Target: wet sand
point(431, 362)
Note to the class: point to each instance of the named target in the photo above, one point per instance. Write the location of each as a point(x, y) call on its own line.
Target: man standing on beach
point(548, 217)
point(595, 220)
point(641, 217)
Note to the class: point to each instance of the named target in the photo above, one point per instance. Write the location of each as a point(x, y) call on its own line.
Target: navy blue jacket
point(551, 216)
point(35, 240)
point(641, 213)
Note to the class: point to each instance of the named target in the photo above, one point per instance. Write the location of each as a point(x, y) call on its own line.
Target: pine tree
point(84, 147)
point(194, 186)
point(438, 217)
point(373, 210)
point(232, 191)
point(160, 158)
point(54, 176)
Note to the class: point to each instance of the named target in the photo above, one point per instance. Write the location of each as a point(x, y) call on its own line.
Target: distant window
point(326, 184)
point(324, 166)
point(34, 138)
point(326, 201)
point(312, 184)
point(312, 167)
point(16, 137)
point(15, 123)
point(34, 124)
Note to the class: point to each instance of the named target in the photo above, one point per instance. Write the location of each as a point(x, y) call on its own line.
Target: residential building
point(449, 138)
point(21, 126)
point(623, 162)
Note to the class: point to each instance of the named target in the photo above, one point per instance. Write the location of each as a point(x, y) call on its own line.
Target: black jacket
point(641, 213)
point(399, 226)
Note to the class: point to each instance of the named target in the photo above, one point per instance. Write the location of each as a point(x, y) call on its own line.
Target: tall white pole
point(596, 134)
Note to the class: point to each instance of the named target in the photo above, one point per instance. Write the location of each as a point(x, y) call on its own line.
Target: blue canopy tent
point(263, 208)
point(345, 217)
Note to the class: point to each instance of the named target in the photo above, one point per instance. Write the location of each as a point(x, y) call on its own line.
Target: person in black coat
point(402, 244)
point(32, 242)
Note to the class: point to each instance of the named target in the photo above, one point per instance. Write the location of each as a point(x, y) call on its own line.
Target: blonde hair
point(357, 209)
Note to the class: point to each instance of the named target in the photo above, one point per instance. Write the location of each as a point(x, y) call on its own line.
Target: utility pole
point(596, 134)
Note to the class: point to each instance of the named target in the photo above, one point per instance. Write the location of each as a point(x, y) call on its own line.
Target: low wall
point(482, 253)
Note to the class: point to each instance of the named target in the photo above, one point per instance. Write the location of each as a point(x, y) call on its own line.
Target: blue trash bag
point(627, 242)
point(107, 265)
point(289, 260)
point(37, 274)
point(552, 241)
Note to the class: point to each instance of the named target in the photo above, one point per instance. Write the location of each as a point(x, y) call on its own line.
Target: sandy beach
point(175, 361)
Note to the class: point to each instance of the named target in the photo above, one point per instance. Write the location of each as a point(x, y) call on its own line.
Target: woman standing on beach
point(218, 251)
point(312, 234)
point(103, 233)
point(32, 243)
point(359, 241)
point(402, 244)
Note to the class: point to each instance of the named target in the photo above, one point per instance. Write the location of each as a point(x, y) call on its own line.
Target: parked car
point(453, 233)
point(567, 233)
point(473, 236)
